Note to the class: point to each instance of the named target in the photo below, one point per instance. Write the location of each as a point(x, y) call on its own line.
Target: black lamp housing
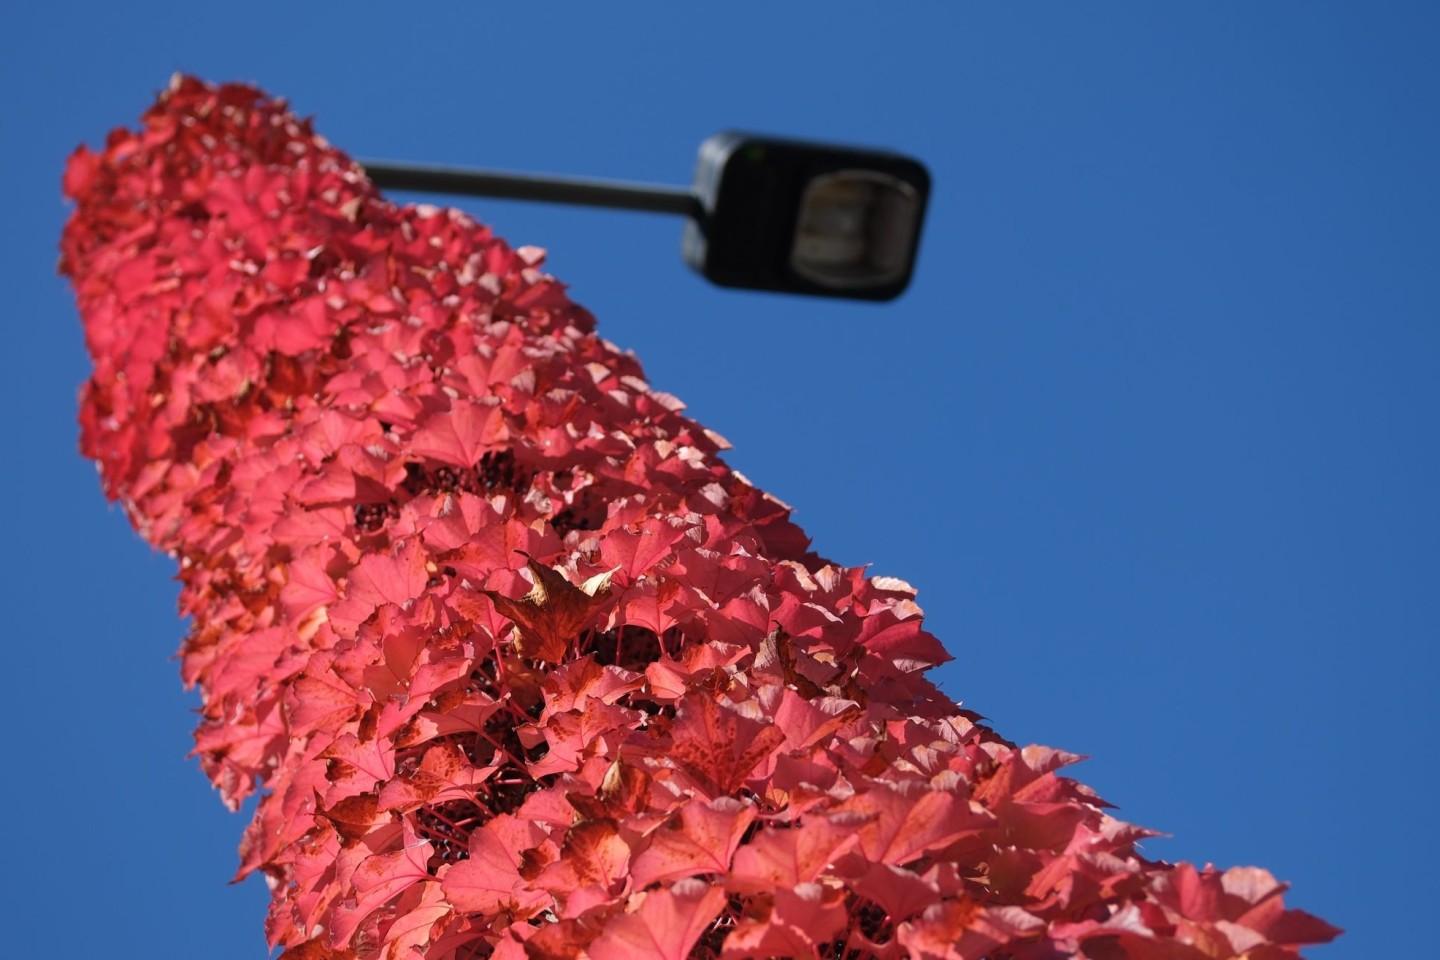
point(807, 218)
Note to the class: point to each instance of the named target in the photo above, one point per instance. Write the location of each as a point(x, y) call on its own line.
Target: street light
point(763, 214)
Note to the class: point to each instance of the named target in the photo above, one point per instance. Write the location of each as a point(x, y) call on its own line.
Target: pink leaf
point(635, 551)
point(461, 434)
point(904, 823)
point(380, 879)
point(662, 924)
point(701, 840)
point(800, 921)
point(788, 857)
point(489, 880)
point(719, 745)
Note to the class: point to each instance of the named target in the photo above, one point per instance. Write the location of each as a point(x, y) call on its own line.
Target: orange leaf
point(552, 614)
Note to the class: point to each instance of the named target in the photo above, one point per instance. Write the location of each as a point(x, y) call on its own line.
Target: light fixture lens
point(855, 228)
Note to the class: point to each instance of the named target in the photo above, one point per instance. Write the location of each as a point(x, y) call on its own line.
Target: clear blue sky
point(1156, 431)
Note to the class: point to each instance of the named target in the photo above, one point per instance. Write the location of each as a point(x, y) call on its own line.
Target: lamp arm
point(545, 189)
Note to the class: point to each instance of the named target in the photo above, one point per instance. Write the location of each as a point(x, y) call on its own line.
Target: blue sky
point(1154, 431)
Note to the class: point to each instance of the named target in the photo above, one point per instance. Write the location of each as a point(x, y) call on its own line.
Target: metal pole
point(546, 189)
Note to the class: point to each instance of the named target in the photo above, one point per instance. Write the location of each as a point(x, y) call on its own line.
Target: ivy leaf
point(906, 821)
point(463, 433)
point(719, 745)
point(397, 578)
point(702, 838)
point(799, 921)
point(784, 858)
point(445, 773)
point(489, 880)
point(960, 929)
point(551, 615)
point(662, 924)
point(635, 550)
point(380, 879)
point(593, 863)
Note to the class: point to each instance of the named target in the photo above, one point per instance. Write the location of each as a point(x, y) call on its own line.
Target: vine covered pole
point(519, 665)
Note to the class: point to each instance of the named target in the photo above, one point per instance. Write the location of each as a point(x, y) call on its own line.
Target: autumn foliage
point(520, 666)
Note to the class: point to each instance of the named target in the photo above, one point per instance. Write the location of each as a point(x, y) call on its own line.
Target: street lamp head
point(807, 218)
point(764, 213)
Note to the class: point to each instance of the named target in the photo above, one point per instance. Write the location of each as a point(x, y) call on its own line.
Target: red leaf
point(806, 721)
point(662, 924)
point(963, 930)
point(905, 642)
point(719, 745)
point(576, 735)
point(800, 921)
point(352, 817)
point(551, 614)
point(787, 857)
point(308, 588)
point(489, 881)
point(624, 790)
point(572, 684)
point(906, 822)
point(463, 433)
point(899, 892)
point(81, 172)
point(656, 606)
point(324, 701)
point(370, 757)
point(293, 330)
point(594, 852)
point(380, 879)
point(381, 578)
point(1253, 899)
point(445, 773)
point(592, 856)
point(412, 929)
point(316, 950)
point(635, 550)
point(702, 839)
